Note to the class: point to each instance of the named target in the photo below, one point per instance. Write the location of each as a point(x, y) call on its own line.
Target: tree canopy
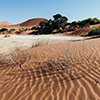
point(57, 24)
point(57, 16)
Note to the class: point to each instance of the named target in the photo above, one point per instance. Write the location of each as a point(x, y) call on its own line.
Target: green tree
point(50, 22)
point(61, 22)
point(57, 16)
point(94, 32)
point(64, 19)
point(57, 24)
point(42, 24)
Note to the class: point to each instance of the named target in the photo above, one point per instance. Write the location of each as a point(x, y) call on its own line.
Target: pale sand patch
point(18, 41)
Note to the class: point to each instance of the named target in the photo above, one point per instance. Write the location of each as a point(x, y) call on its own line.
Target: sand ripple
point(46, 83)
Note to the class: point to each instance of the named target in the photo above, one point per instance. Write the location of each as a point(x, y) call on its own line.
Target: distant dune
point(28, 23)
point(5, 23)
point(34, 21)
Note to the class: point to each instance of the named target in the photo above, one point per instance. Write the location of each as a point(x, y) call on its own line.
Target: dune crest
point(28, 23)
point(5, 23)
point(34, 21)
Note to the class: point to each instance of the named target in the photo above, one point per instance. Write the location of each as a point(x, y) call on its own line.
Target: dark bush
point(26, 29)
point(33, 28)
point(18, 32)
point(74, 23)
point(55, 25)
point(57, 16)
point(12, 29)
point(94, 32)
point(87, 25)
point(3, 29)
point(89, 21)
point(71, 29)
point(42, 24)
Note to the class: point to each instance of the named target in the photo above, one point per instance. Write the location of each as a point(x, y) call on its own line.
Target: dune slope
point(2, 24)
point(28, 23)
point(33, 22)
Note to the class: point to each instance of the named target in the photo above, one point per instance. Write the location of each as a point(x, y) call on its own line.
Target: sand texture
point(64, 71)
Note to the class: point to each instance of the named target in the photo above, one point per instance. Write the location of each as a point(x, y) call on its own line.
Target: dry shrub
point(40, 42)
point(18, 55)
point(64, 58)
point(67, 59)
point(7, 35)
point(15, 57)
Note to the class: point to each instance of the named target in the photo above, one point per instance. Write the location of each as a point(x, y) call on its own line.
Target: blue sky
point(17, 11)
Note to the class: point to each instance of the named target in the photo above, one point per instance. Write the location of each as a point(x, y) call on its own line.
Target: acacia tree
point(57, 16)
point(42, 24)
point(58, 23)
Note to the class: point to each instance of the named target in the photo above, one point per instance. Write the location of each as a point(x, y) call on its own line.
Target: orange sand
point(40, 80)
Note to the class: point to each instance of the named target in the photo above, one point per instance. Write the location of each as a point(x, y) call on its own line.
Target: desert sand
point(57, 70)
point(61, 71)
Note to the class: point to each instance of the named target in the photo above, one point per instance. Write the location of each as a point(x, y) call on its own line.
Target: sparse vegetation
point(15, 57)
point(59, 23)
point(40, 42)
point(7, 35)
point(71, 29)
point(94, 32)
point(88, 22)
point(65, 60)
point(12, 29)
point(33, 28)
point(18, 32)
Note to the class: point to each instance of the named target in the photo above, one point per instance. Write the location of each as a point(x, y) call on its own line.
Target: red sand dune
point(31, 22)
point(34, 21)
point(5, 23)
point(28, 23)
